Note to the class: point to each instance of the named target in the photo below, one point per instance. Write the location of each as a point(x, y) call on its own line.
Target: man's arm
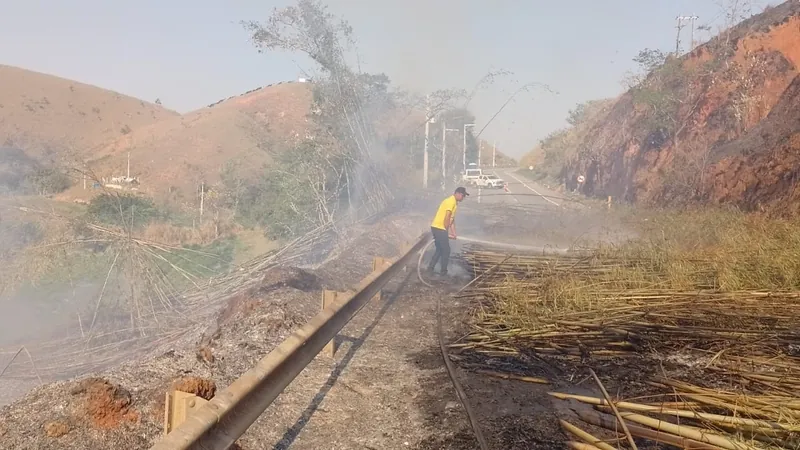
point(448, 217)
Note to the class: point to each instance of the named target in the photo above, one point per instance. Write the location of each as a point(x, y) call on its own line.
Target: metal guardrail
point(220, 422)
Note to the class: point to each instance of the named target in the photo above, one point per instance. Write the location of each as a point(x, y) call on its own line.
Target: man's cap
point(462, 190)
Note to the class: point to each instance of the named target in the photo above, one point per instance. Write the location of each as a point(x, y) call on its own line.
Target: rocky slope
point(718, 125)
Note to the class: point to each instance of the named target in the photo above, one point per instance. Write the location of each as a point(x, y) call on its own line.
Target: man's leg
point(436, 254)
point(445, 254)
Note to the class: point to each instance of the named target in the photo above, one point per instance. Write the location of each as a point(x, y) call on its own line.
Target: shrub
point(48, 180)
point(124, 210)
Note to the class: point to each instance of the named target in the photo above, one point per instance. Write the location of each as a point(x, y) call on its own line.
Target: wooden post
point(328, 298)
point(378, 264)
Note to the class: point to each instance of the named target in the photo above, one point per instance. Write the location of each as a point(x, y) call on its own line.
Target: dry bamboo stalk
point(509, 376)
point(610, 423)
point(582, 446)
point(616, 413)
point(688, 432)
point(716, 418)
point(584, 436)
point(741, 408)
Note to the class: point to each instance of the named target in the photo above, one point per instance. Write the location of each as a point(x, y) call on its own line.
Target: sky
point(190, 53)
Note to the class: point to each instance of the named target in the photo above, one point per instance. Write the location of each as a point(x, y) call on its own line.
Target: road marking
point(532, 189)
point(512, 194)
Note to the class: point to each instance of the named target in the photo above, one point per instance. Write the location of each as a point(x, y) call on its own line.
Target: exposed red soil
point(201, 387)
point(106, 405)
point(735, 138)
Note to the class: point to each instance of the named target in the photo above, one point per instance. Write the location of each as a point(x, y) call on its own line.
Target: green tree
point(122, 210)
point(48, 181)
point(346, 103)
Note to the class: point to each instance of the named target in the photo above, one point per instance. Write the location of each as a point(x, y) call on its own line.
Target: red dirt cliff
point(719, 125)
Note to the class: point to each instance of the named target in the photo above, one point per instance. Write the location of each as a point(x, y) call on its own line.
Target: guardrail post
point(178, 405)
point(378, 264)
point(328, 298)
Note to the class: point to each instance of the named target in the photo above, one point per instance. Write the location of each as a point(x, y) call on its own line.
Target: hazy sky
point(190, 53)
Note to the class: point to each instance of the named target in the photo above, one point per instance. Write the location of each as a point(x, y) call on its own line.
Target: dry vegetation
point(701, 313)
point(173, 156)
point(50, 116)
point(550, 156)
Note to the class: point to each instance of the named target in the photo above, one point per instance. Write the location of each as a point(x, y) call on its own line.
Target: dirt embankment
point(719, 125)
point(123, 407)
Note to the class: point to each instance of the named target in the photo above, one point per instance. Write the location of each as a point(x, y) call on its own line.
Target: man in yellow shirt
point(443, 228)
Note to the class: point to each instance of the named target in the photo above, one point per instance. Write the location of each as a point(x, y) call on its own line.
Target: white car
point(490, 182)
point(471, 176)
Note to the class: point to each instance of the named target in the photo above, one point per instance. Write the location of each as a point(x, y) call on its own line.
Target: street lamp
point(464, 156)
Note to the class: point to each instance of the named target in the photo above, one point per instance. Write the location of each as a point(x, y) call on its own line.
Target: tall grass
point(678, 255)
point(725, 249)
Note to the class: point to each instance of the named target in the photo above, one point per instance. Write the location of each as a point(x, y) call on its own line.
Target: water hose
point(451, 371)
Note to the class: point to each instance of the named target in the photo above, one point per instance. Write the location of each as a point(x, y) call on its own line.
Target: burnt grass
point(512, 415)
point(520, 415)
point(516, 414)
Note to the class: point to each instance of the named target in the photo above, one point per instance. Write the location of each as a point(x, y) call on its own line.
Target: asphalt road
point(520, 192)
point(531, 214)
point(525, 214)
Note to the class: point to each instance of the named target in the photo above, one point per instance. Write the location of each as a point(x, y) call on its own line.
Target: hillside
point(46, 115)
point(717, 125)
point(550, 155)
point(180, 152)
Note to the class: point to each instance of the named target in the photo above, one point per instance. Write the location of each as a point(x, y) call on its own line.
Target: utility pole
point(425, 155)
point(444, 153)
point(129, 165)
point(680, 23)
point(427, 134)
point(464, 155)
point(480, 149)
point(494, 153)
point(202, 197)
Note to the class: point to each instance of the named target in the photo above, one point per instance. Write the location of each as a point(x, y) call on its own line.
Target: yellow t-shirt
point(448, 204)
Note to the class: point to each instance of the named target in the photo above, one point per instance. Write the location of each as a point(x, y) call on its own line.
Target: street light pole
point(444, 153)
point(464, 155)
point(425, 155)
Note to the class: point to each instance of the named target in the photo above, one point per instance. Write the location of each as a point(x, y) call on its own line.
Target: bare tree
point(344, 100)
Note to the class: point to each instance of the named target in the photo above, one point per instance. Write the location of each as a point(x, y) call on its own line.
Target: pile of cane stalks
point(740, 347)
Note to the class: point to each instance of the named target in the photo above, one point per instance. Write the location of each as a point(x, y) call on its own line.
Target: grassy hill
point(47, 116)
point(178, 153)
